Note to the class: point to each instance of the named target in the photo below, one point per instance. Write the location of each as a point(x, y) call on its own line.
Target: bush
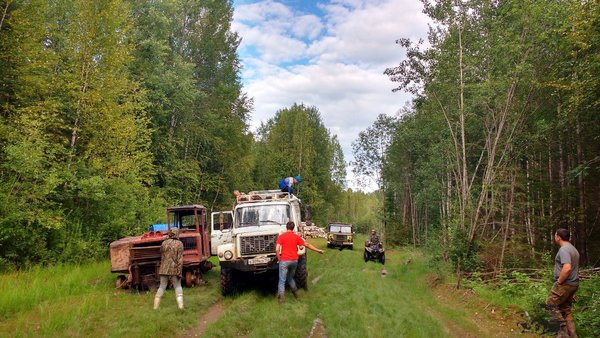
point(463, 253)
point(587, 307)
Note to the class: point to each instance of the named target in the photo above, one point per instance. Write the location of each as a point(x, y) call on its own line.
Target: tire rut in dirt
point(214, 313)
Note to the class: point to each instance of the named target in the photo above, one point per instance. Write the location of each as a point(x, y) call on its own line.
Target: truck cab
point(340, 235)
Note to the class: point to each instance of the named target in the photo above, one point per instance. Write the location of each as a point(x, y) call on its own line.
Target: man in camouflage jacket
point(171, 266)
point(374, 239)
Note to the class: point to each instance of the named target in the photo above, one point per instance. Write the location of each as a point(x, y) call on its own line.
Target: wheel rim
point(189, 279)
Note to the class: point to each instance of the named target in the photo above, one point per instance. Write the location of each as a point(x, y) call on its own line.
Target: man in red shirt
point(287, 255)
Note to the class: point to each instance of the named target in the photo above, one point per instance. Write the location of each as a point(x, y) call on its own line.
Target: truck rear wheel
point(189, 278)
point(226, 281)
point(121, 282)
point(301, 276)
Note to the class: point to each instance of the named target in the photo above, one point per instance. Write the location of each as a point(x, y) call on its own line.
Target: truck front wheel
point(226, 281)
point(301, 276)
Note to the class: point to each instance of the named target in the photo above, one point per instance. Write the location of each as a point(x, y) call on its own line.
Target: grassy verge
point(81, 301)
point(518, 293)
point(350, 297)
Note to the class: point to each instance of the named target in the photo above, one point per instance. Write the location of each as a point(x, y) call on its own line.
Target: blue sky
point(327, 54)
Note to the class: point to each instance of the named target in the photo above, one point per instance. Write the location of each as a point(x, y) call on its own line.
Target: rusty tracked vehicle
point(137, 258)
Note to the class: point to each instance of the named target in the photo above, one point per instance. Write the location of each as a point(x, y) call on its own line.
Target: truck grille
point(258, 244)
point(145, 252)
point(341, 238)
point(188, 243)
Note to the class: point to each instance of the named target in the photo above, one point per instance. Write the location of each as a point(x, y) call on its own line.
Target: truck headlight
point(228, 255)
point(349, 238)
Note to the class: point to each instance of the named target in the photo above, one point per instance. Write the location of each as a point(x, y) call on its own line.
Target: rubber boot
point(179, 301)
point(295, 293)
point(571, 329)
point(156, 302)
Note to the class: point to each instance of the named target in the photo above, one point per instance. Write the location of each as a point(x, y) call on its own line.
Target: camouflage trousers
point(559, 304)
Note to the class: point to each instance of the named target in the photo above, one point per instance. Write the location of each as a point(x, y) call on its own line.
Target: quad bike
point(374, 252)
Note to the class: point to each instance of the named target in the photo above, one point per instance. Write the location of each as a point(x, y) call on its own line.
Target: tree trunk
point(464, 173)
point(580, 232)
point(4, 13)
point(508, 219)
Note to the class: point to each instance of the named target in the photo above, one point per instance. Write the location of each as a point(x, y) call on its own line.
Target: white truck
point(244, 239)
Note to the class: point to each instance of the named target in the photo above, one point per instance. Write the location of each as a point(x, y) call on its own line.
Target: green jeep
point(340, 235)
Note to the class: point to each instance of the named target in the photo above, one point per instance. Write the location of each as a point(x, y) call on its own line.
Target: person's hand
point(321, 251)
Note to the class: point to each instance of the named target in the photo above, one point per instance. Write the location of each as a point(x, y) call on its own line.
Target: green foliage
point(529, 295)
point(519, 285)
point(370, 150)
point(295, 142)
point(505, 92)
point(110, 111)
point(464, 253)
point(587, 306)
point(358, 208)
point(196, 106)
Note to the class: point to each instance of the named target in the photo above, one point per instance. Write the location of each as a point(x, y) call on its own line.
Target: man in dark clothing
point(287, 255)
point(374, 239)
point(171, 267)
point(566, 283)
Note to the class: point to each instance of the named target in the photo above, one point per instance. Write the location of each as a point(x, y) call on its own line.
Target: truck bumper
point(335, 243)
point(244, 265)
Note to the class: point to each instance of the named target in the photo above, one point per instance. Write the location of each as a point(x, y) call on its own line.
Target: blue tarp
point(158, 227)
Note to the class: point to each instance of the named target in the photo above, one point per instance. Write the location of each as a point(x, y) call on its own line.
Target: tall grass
point(22, 291)
point(81, 301)
point(520, 292)
point(350, 297)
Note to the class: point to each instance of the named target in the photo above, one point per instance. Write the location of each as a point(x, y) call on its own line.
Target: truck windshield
point(342, 229)
point(256, 215)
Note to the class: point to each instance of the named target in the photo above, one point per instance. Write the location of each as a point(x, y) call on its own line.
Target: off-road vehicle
point(340, 235)
point(248, 247)
point(375, 252)
point(137, 258)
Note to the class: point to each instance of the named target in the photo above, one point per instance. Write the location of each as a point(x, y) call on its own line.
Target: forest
point(110, 111)
point(500, 146)
point(113, 110)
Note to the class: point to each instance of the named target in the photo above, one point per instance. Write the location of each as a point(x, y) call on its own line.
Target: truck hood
point(260, 230)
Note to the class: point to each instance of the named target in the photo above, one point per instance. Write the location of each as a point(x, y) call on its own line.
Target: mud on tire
point(301, 276)
point(227, 281)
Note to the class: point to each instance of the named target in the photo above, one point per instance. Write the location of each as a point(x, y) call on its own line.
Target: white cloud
point(334, 62)
point(260, 11)
point(307, 26)
point(368, 33)
point(348, 97)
